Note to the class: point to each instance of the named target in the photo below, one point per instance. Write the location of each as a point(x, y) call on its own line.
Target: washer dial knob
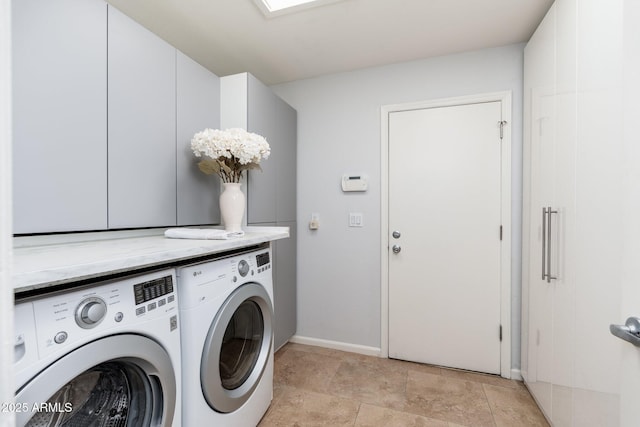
point(90, 312)
point(243, 268)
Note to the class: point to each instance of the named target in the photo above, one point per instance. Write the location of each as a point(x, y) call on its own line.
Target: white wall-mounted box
point(354, 183)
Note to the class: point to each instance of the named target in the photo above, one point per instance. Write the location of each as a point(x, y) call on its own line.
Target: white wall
point(339, 132)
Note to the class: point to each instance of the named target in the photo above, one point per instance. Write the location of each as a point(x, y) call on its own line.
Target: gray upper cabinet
point(59, 115)
point(198, 107)
point(142, 126)
point(285, 158)
point(104, 111)
point(261, 185)
point(249, 104)
point(272, 192)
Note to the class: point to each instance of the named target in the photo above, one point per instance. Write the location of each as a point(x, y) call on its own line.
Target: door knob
point(630, 331)
point(396, 249)
point(396, 234)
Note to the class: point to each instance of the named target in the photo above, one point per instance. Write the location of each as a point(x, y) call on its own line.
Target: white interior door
point(445, 203)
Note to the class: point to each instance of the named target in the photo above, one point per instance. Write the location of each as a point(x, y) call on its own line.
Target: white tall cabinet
point(580, 237)
point(59, 81)
point(271, 193)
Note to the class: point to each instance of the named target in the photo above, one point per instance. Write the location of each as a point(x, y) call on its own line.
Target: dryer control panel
point(201, 283)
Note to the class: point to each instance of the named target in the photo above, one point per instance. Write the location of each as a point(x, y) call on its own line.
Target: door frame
point(505, 213)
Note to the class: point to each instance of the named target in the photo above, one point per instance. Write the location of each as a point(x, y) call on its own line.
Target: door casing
point(505, 251)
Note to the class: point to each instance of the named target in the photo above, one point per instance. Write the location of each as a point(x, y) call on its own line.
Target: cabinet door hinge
point(500, 232)
point(500, 333)
point(502, 123)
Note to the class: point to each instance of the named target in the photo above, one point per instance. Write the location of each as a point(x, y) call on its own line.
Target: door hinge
point(500, 232)
point(502, 123)
point(500, 333)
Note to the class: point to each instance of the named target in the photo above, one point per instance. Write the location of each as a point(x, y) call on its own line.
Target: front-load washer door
point(120, 380)
point(237, 348)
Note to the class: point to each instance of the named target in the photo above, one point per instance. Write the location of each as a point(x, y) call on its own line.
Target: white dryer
point(105, 354)
point(227, 339)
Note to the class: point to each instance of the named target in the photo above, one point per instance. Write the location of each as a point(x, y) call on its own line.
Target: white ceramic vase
point(232, 203)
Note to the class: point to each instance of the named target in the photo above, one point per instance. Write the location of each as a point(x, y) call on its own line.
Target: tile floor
point(315, 386)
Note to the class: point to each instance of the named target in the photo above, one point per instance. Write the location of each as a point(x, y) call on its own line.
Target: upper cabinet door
point(198, 107)
point(247, 103)
point(287, 135)
point(59, 115)
point(142, 126)
point(262, 119)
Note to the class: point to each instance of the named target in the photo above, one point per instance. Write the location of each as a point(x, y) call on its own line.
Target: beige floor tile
point(281, 351)
point(298, 407)
point(327, 351)
point(471, 424)
point(305, 370)
point(481, 378)
point(375, 416)
point(513, 407)
point(371, 381)
point(448, 399)
point(424, 368)
point(278, 389)
point(316, 386)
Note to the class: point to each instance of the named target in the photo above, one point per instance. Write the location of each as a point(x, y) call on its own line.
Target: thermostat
point(354, 183)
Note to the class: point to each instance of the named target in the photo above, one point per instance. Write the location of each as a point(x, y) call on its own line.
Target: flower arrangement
point(229, 152)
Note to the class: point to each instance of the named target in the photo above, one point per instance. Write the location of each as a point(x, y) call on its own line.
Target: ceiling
point(232, 36)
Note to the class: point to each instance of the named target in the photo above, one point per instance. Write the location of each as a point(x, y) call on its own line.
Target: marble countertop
point(43, 261)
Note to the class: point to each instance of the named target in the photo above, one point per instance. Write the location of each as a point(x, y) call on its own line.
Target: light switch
point(314, 224)
point(355, 219)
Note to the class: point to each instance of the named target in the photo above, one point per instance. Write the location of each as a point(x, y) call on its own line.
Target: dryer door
point(237, 348)
point(121, 380)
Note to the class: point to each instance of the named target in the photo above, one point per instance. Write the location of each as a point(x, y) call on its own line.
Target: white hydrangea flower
point(234, 150)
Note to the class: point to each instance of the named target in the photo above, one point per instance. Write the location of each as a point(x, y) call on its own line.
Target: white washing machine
point(106, 354)
point(227, 340)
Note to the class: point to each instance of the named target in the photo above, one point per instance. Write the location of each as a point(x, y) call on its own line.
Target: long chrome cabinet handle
point(549, 276)
point(544, 243)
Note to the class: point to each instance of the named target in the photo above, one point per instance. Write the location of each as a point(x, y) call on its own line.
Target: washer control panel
point(153, 294)
point(73, 317)
point(90, 312)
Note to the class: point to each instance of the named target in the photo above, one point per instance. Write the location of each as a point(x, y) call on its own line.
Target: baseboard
point(336, 345)
point(516, 374)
